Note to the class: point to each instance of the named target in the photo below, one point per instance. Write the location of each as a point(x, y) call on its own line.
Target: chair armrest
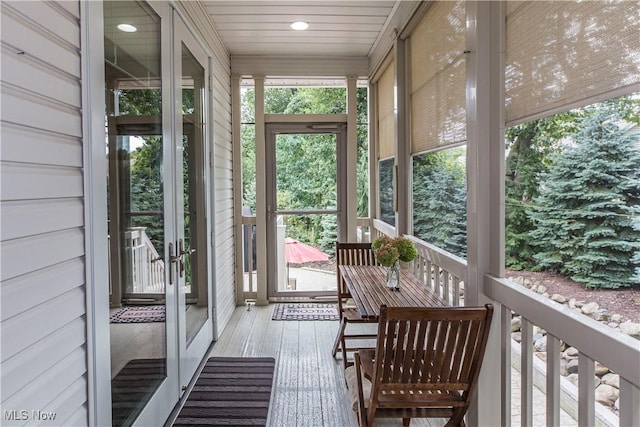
point(366, 357)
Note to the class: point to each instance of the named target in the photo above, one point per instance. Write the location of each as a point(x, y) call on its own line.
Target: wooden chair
point(350, 254)
point(425, 365)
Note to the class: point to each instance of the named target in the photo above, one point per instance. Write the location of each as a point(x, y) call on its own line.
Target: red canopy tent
point(296, 252)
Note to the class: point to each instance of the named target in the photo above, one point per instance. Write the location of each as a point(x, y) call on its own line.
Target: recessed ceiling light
point(300, 25)
point(127, 28)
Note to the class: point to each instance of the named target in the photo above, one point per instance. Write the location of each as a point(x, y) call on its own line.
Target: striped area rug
point(230, 391)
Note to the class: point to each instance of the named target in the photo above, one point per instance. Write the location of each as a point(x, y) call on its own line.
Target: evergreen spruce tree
point(439, 202)
point(586, 214)
point(329, 235)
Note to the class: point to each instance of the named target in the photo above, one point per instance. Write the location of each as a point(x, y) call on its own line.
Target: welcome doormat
point(230, 391)
point(139, 314)
point(305, 312)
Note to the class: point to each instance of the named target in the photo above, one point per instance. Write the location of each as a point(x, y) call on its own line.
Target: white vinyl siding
point(222, 172)
point(42, 289)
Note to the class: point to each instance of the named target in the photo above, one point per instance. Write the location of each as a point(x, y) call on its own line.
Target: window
point(386, 187)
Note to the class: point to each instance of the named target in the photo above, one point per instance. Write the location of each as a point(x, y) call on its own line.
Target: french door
point(305, 164)
point(157, 85)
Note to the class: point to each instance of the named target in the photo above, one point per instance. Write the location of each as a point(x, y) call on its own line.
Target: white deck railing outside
point(146, 266)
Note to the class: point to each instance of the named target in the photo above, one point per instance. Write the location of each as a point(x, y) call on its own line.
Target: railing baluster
point(586, 395)
point(456, 291)
point(526, 374)
point(629, 404)
point(553, 381)
point(505, 386)
point(446, 287)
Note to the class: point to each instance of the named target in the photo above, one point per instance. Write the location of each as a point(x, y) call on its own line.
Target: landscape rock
point(590, 308)
point(631, 329)
point(541, 289)
point(540, 344)
point(518, 280)
point(571, 352)
point(572, 303)
point(600, 369)
point(606, 394)
point(613, 325)
point(616, 318)
point(516, 336)
point(601, 315)
point(579, 304)
point(516, 324)
point(611, 379)
point(559, 298)
point(570, 367)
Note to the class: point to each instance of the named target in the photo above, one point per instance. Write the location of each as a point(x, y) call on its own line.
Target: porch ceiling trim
point(299, 66)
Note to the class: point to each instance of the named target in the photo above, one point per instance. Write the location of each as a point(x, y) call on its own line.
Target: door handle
point(180, 257)
point(172, 260)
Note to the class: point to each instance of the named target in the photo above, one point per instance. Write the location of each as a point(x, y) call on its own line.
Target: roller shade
point(438, 84)
point(386, 112)
point(569, 54)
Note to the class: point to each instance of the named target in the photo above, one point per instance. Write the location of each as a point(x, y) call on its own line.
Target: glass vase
point(393, 276)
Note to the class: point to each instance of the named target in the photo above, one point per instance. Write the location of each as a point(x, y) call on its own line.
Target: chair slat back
point(352, 254)
point(422, 351)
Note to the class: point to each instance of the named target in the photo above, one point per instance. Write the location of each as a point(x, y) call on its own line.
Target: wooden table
point(367, 285)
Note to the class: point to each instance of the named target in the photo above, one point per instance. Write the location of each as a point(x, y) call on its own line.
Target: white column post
point(402, 147)
point(485, 183)
point(351, 209)
point(236, 126)
point(261, 193)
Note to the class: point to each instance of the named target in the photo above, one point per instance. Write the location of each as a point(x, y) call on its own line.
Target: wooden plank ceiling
point(336, 28)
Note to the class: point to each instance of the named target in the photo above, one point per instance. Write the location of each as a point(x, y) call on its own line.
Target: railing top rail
point(616, 351)
point(249, 219)
point(385, 228)
point(448, 261)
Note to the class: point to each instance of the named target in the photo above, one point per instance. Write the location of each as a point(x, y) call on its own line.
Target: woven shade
point(438, 86)
point(567, 54)
point(386, 112)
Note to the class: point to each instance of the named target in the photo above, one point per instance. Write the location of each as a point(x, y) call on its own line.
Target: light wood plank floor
point(309, 385)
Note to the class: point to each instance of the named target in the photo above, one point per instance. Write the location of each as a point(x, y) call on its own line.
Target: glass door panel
point(137, 216)
point(194, 227)
point(304, 211)
point(195, 328)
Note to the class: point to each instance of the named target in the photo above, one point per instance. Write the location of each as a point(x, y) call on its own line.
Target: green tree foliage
point(586, 214)
point(529, 146)
point(329, 235)
point(439, 200)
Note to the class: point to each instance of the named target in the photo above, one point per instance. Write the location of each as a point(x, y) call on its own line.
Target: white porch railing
point(146, 266)
point(446, 274)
